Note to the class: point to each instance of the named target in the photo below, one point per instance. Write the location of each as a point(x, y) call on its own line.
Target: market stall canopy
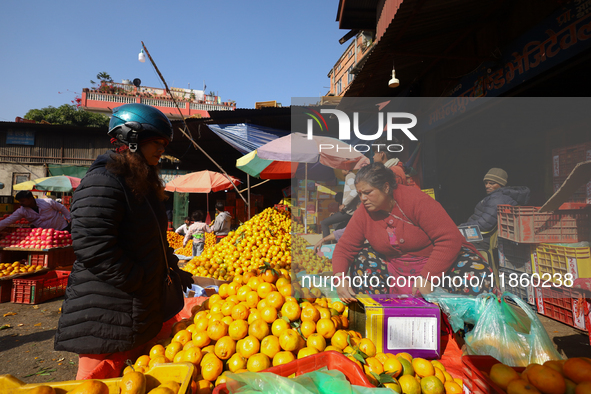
point(254, 166)
point(246, 137)
point(296, 147)
point(201, 182)
point(60, 183)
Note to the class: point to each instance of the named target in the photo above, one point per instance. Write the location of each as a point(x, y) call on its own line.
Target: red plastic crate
point(38, 289)
point(562, 304)
point(582, 195)
point(5, 290)
point(527, 225)
point(564, 160)
point(330, 360)
point(53, 258)
point(476, 372)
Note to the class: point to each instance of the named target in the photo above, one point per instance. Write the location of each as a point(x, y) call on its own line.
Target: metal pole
point(248, 193)
point(306, 203)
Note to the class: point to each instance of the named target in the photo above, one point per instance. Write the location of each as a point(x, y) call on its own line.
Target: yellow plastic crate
point(561, 260)
point(179, 372)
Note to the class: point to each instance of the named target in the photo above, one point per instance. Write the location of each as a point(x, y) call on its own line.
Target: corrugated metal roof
point(421, 34)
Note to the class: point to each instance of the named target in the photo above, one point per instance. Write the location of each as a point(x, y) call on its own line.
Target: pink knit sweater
point(434, 234)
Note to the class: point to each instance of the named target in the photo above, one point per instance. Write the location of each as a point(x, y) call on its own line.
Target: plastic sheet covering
point(246, 137)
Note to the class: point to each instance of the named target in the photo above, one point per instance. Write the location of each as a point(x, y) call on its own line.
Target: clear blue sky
point(245, 51)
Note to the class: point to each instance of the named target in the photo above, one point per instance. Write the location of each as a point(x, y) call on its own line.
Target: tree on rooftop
point(67, 114)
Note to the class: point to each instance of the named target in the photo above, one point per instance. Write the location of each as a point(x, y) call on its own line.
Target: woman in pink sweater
point(409, 234)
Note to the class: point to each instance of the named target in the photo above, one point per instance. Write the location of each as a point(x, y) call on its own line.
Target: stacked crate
point(564, 160)
point(515, 262)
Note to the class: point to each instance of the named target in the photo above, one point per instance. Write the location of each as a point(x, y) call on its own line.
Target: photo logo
point(392, 124)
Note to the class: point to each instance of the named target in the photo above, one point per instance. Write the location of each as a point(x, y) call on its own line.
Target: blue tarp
point(246, 137)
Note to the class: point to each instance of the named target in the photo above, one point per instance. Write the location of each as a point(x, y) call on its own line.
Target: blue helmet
point(131, 123)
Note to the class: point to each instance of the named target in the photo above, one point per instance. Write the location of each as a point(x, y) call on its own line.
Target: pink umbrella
point(297, 148)
point(201, 182)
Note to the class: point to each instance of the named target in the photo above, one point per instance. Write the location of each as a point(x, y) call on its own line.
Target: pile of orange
point(174, 240)
point(254, 323)
point(265, 238)
point(304, 258)
point(10, 269)
point(553, 377)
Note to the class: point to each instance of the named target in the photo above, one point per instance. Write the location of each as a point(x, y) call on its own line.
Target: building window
point(350, 75)
point(338, 87)
point(350, 52)
point(20, 177)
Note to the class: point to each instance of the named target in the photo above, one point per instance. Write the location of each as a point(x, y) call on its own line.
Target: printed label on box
point(531, 298)
point(578, 314)
point(572, 267)
point(412, 333)
point(540, 300)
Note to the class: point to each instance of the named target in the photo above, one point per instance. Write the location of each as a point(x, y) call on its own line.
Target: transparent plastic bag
point(514, 336)
point(322, 381)
point(458, 308)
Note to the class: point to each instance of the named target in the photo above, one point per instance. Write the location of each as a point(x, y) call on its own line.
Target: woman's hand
point(318, 246)
point(344, 291)
point(425, 288)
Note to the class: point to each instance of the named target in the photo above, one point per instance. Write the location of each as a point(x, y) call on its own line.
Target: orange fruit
point(308, 328)
point(201, 324)
point(316, 341)
point(393, 367)
point(264, 289)
point(253, 315)
point(338, 306)
point(368, 347)
point(423, 367)
point(193, 356)
point(223, 290)
point(189, 345)
point(555, 365)
point(545, 379)
point(584, 387)
point(270, 346)
point(242, 292)
point(327, 329)
point(215, 316)
point(157, 360)
point(144, 360)
point(289, 340)
point(439, 374)
point(203, 387)
point(432, 385)
point(518, 386)
point(228, 320)
point(258, 362)
point(238, 329)
point(373, 365)
point(275, 299)
point(232, 289)
point(215, 298)
point(262, 304)
point(502, 375)
point(248, 346)
point(337, 322)
point(225, 347)
point(310, 313)
point(344, 321)
point(269, 314)
point(236, 362)
point(283, 357)
point(172, 349)
point(254, 282)
point(577, 369)
point(291, 310)
point(201, 339)
point(307, 351)
point(208, 349)
point(279, 326)
point(227, 308)
point(91, 386)
point(332, 348)
point(217, 329)
point(259, 329)
point(380, 356)
point(212, 368)
point(240, 312)
point(157, 350)
point(252, 299)
point(405, 355)
point(452, 388)
point(409, 384)
point(179, 357)
point(339, 339)
point(285, 290)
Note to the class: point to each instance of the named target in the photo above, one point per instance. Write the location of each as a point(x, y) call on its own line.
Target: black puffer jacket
point(113, 298)
point(485, 213)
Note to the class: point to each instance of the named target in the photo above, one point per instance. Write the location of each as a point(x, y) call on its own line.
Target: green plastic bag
point(513, 336)
point(322, 381)
point(458, 308)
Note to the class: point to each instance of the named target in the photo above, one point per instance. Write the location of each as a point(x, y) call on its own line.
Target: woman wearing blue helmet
point(114, 296)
